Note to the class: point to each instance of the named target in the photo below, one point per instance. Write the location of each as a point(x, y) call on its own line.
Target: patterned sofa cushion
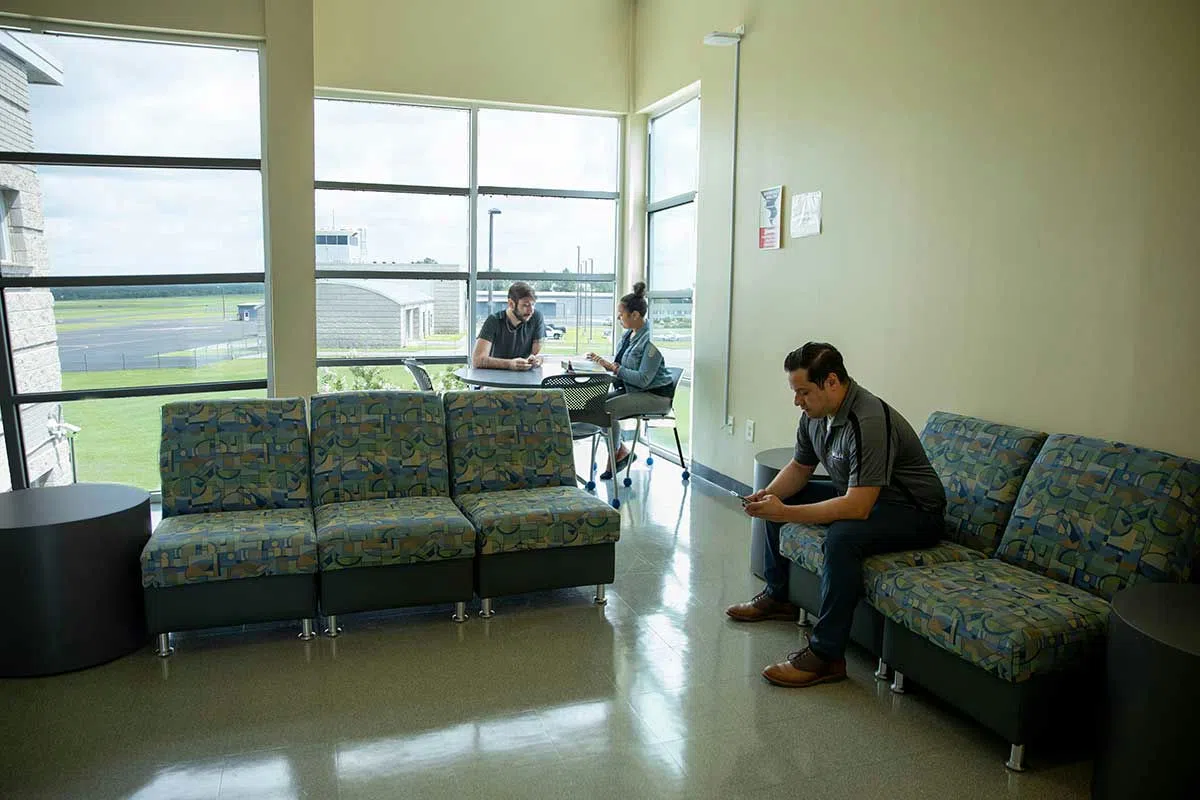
point(805, 545)
point(233, 455)
point(1103, 515)
point(196, 548)
point(370, 445)
point(982, 465)
point(1004, 619)
point(398, 530)
point(539, 519)
point(503, 440)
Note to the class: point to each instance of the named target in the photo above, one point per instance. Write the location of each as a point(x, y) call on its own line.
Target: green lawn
point(118, 439)
point(97, 314)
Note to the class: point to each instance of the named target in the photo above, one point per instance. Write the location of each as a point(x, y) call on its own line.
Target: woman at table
point(643, 383)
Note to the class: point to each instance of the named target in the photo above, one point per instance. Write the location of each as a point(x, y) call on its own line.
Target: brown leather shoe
point(763, 607)
point(805, 668)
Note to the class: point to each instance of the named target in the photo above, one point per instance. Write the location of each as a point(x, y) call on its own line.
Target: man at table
point(511, 338)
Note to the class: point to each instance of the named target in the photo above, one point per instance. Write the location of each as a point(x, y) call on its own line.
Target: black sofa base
point(1042, 709)
point(804, 590)
point(344, 591)
point(215, 604)
point(537, 570)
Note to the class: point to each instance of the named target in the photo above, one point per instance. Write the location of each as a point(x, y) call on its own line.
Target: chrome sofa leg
point(485, 608)
point(331, 627)
point(803, 620)
point(460, 612)
point(600, 599)
point(898, 683)
point(1016, 758)
point(306, 630)
point(164, 645)
point(881, 671)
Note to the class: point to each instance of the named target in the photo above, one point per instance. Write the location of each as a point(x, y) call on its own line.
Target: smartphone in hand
point(744, 500)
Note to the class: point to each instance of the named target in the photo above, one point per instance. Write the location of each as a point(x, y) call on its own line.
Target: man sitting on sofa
point(883, 496)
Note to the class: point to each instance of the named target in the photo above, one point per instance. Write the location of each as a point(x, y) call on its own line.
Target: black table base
point(70, 580)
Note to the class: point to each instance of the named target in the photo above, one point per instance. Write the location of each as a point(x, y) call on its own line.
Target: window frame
point(473, 191)
point(11, 400)
point(666, 204)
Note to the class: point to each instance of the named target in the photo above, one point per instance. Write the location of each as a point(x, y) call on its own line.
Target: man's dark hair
point(519, 291)
point(819, 360)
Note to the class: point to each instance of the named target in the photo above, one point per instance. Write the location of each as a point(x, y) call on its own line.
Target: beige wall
point(223, 17)
point(1011, 221)
point(568, 53)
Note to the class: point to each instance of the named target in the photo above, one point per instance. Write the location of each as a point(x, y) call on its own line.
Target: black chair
point(420, 375)
point(658, 419)
point(585, 396)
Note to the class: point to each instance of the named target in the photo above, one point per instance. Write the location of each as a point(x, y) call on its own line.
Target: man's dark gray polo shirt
point(856, 449)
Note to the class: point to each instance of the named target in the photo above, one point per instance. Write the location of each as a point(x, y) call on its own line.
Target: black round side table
point(1148, 731)
point(767, 465)
point(70, 577)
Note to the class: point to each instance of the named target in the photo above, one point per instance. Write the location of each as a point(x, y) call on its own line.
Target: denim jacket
point(642, 367)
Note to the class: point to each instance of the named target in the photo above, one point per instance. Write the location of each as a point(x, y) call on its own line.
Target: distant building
point(346, 248)
point(249, 312)
point(23, 253)
point(373, 315)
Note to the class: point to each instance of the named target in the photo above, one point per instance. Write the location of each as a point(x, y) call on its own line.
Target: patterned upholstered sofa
point(982, 465)
point(236, 542)
point(512, 473)
point(1016, 638)
point(388, 534)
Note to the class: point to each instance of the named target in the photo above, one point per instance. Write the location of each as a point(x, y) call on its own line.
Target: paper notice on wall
point(806, 214)
point(770, 217)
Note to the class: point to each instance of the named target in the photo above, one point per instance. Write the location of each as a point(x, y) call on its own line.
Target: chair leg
point(637, 434)
point(1016, 758)
point(898, 683)
point(331, 627)
point(881, 671)
point(460, 611)
point(600, 599)
point(591, 481)
point(306, 630)
point(679, 449)
point(485, 608)
point(164, 645)
point(612, 468)
point(802, 620)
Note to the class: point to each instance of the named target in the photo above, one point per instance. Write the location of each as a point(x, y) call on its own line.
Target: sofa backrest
point(511, 439)
point(372, 445)
point(1104, 515)
point(233, 455)
point(982, 465)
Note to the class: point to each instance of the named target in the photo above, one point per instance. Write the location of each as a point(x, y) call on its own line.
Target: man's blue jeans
point(888, 529)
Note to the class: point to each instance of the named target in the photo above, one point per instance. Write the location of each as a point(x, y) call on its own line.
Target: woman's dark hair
point(819, 360)
point(635, 300)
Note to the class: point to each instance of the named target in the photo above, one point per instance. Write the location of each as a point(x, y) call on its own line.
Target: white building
point(23, 253)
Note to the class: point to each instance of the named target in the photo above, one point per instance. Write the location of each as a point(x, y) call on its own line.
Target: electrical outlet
point(729, 424)
point(749, 430)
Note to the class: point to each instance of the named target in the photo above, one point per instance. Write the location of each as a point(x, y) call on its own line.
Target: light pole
point(492, 212)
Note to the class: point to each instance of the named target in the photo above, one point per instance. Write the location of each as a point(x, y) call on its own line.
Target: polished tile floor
point(656, 695)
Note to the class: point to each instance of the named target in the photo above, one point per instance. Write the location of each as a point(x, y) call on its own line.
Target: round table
point(513, 379)
point(70, 576)
point(1152, 693)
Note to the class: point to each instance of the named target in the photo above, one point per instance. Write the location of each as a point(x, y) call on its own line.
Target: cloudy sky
point(153, 99)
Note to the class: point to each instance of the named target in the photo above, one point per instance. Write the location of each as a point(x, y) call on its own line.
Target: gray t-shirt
point(856, 450)
point(510, 342)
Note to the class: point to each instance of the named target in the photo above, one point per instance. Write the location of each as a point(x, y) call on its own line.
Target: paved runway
point(138, 345)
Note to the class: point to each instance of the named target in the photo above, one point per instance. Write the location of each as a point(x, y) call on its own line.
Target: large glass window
point(133, 265)
point(395, 195)
point(671, 251)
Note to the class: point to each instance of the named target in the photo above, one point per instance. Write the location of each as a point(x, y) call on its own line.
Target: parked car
point(554, 331)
